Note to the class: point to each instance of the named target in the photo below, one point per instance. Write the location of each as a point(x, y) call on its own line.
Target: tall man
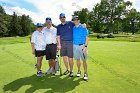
point(65, 42)
point(80, 41)
point(51, 47)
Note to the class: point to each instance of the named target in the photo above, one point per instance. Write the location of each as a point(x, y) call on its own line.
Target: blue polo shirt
point(79, 35)
point(65, 31)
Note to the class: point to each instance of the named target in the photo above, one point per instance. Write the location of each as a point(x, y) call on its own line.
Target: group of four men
point(70, 37)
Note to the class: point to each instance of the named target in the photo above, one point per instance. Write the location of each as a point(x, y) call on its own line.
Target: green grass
point(13, 40)
point(113, 67)
point(118, 37)
point(126, 39)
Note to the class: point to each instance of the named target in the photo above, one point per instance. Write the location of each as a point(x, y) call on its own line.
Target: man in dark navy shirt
point(65, 42)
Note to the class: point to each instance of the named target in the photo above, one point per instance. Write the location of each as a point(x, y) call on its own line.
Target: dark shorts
point(66, 49)
point(51, 51)
point(39, 53)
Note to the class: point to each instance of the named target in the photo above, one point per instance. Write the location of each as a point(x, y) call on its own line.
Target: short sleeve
point(33, 38)
point(85, 30)
point(72, 23)
point(58, 31)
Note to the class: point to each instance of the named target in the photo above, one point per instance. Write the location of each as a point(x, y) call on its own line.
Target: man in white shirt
point(51, 47)
point(38, 46)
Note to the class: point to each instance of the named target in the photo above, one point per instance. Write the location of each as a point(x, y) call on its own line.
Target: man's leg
point(51, 66)
point(53, 63)
point(85, 70)
point(49, 63)
point(47, 53)
point(77, 57)
point(85, 66)
point(65, 59)
point(63, 53)
point(52, 57)
point(78, 64)
point(71, 64)
point(84, 59)
point(39, 63)
point(70, 55)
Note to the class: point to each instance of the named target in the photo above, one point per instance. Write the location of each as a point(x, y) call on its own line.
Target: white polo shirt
point(50, 35)
point(38, 38)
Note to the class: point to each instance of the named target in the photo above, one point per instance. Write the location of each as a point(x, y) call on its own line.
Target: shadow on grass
point(51, 83)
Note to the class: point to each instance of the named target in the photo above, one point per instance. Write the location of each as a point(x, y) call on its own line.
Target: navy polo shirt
point(65, 31)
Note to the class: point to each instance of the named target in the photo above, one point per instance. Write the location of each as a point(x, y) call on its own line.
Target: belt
point(67, 41)
point(80, 44)
point(50, 44)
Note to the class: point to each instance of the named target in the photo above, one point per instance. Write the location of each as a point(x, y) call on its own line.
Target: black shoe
point(71, 74)
point(39, 73)
point(66, 72)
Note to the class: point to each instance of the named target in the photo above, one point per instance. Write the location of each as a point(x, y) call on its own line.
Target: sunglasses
point(40, 27)
point(76, 19)
point(63, 17)
point(48, 19)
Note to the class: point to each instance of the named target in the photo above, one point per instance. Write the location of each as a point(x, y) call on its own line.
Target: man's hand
point(33, 51)
point(59, 47)
point(84, 49)
point(84, 25)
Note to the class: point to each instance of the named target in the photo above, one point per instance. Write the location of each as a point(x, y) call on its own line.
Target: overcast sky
point(38, 10)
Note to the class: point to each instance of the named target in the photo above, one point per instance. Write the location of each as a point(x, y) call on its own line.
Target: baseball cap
point(39, 25)
point(75, 18)
point(48, 19)
point(61, 15)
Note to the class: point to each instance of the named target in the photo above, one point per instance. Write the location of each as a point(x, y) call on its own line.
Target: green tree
point(26, 25)
point(109, 14)
point(15, 27)
point(133, 19)
point(3, 28)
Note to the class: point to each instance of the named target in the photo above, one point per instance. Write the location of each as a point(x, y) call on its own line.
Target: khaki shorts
point(78, 53)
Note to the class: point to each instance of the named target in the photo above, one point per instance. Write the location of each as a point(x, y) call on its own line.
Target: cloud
point(20, 11)
point(52, 8)
point(135, 4)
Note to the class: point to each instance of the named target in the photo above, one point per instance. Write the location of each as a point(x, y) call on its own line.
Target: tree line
point(111, 16)
point(14, 25)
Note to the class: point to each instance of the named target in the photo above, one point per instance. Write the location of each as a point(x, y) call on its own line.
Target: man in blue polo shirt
point(65, 42)
point(80, 41)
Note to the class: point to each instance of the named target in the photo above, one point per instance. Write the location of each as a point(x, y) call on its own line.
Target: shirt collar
point(39, 32)
point(50, 28)
point(78, 25)
point(65, 23)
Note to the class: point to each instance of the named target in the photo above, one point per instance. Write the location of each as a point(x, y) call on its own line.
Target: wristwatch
point(85, 45)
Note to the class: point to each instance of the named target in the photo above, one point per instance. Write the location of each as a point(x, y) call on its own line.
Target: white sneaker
point(78, 73)
point(49, 71)
point(85, 77)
